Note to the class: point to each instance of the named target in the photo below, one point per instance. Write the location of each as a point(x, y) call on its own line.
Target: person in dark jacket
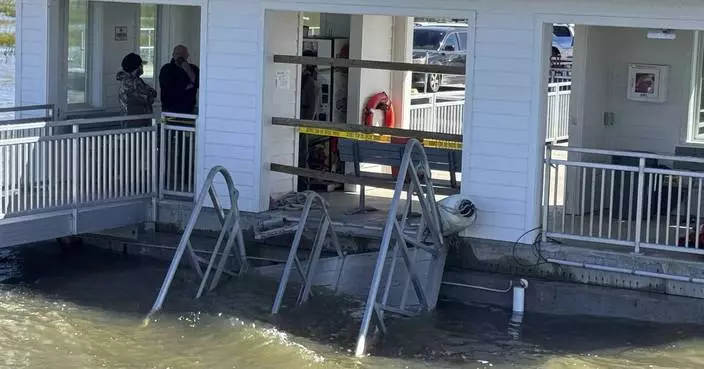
point(309, 90)
point(179, 82)
point(136, 96)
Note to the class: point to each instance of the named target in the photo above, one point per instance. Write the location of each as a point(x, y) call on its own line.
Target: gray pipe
point(641, 273)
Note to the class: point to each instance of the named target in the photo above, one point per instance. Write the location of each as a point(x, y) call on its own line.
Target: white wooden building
point(234, 41)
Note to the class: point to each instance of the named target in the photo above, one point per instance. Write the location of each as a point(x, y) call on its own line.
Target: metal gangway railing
point(230, 233)
point(425, 236)
point(285, 225)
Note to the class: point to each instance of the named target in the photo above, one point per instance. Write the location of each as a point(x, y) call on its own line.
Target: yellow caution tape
point(359, 136)
point(441, 144)
point(373, 137)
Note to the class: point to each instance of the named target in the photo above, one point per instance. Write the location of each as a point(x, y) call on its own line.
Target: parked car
point(439, 44)
point(562, 41)
point(446, 44)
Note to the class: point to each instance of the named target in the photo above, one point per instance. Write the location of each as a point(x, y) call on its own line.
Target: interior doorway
point(92, 37)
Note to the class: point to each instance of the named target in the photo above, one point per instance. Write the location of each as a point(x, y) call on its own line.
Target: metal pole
point(185, 238)
point(75, 179)
point(389, 230)
point(162, 159)
point(639, 204)
point(292, 257)
point(154, 150)
point(546, 192)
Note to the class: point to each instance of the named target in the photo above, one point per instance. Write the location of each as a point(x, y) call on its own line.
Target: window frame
point(157, 38)
point(463, 44)
point(93, 75)
point(696, 108)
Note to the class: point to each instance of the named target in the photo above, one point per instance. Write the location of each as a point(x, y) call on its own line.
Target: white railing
point(177, 158)
point(558, 111)
point(437, 112)
point(624, 198)
point(443, 112)
point(33, 124)
point(71, 169)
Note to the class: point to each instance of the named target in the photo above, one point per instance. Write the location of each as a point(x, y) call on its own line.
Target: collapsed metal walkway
point(409, 265)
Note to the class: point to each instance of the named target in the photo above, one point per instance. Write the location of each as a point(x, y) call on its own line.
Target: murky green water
point(84, 309)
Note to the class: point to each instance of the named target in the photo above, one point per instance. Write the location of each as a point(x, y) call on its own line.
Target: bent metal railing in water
point(635, 201)
point(230, 233)
point(427, 242)
point(66, 170)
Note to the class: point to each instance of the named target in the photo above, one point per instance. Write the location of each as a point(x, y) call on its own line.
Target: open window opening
point(98, 35)
point(631, 171)
point(412, 79)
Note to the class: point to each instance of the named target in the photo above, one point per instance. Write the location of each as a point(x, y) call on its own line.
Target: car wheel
point(434, 83)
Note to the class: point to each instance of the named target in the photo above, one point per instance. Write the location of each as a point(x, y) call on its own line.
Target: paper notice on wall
point(283, 79)
point(120, 33)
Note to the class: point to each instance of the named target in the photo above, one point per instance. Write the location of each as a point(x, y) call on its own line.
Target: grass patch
point(7, 7)
point(7, 39)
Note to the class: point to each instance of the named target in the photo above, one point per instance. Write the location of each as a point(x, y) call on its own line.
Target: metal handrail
point(644, 155)
point(430, 220)
point(10, 109)
point(231, 229)
point(307, 274)
point(111, 119)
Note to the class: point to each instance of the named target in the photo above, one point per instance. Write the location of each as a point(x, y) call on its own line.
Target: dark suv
point(444, 44)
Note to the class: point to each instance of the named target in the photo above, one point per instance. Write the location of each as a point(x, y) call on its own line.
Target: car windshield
point(426, 39)
point(561, 31)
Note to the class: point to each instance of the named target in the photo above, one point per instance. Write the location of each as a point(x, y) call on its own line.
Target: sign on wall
point(120, 33)
point(647, 82)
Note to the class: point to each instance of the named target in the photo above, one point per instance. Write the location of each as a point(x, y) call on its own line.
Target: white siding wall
point(496, 160)
point(282, 36)
point(230, 126)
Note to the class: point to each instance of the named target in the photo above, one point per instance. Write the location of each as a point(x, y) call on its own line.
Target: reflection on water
point(84, 309)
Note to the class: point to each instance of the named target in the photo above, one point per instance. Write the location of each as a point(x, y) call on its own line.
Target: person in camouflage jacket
point(136, 96)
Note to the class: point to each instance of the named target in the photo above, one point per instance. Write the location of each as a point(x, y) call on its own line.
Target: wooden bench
point(391, 154)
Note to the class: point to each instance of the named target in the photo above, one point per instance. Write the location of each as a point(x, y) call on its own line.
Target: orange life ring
point(382, 102)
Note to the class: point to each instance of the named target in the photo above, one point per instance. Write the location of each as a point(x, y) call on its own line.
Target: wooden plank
point(370, 64)
point(397, 132)
point(371, 181)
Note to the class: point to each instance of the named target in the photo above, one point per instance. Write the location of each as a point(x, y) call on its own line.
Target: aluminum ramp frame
point(281, 226)
point(428, 238)
point(49, 224)
point(230, 233)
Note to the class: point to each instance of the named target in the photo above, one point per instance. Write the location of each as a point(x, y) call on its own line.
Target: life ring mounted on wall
point(380, 101)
